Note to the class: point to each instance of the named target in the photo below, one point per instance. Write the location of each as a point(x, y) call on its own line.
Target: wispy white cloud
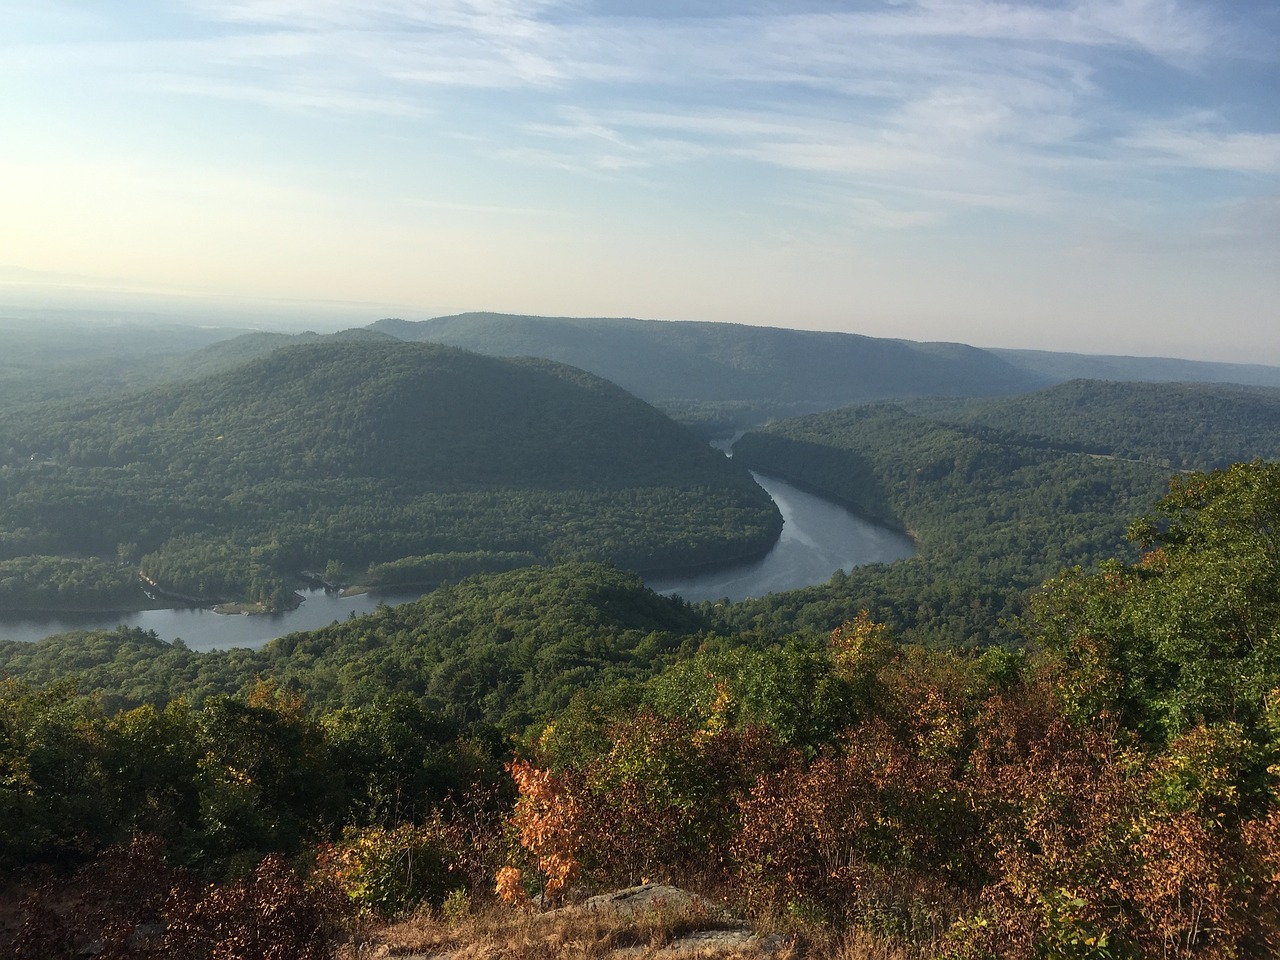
point(305, 97)
point(488, 15)
point(454, 42)
point(1199, 141)
point(1005, 101)
point(1165, 28)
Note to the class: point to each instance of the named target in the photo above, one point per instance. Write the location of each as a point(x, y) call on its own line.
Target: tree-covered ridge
point(74, 361)
point(1000, 493)
point(504, 649)
point(1061, 367)
point(992, 518)
point(721, 375)
point(46, 359)
point(1110, 791)
point(365, 450)
point(1183, 426)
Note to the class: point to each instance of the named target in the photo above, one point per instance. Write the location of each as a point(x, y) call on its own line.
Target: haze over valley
point(571, 480)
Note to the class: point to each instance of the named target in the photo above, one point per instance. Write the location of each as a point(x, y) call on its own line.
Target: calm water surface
point(203, 629)
point(817, 539)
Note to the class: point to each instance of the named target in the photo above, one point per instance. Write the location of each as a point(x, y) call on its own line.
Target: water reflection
point(818, 538)
point(203, 629)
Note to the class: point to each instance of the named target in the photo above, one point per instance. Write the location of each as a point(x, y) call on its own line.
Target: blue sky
point(1061, 174)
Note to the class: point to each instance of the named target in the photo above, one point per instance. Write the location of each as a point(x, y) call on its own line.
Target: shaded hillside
point(993, 516)
point(72, 361)
point(1081, 366)
point(720, 375)
point(1180, 425)
point(364, 450)
point(1001, 493)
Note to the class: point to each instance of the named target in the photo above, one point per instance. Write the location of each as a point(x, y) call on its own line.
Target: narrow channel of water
point(817, 539)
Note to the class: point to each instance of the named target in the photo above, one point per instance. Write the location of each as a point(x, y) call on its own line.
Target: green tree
point(1190, 633)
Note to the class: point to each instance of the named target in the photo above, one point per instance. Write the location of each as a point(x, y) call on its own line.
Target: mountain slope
point(366, 450)
point(504, 648)
point(1199, 426)
point(706, 370)
point(1001, 493)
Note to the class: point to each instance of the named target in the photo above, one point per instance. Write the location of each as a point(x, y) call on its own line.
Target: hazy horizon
point(1090, 176)
point(332, 318)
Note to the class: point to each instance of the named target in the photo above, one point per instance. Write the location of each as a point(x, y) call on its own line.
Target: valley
point(1076, 600)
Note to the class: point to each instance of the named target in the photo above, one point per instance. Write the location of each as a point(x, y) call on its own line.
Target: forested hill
point(504, 648)
point(413, 458)
point(724, 373)
point(1001, 493)
point(1185, 426)
point(44, 359)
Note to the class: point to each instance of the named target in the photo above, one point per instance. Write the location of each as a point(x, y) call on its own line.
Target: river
point(817, 539)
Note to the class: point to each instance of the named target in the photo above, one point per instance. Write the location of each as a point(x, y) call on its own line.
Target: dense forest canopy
point(1036, 738)
point(505, 649)
point(721, 376)
point(1000, 493)
point(1183, 426)
point(357, 451)
point(1109, 791)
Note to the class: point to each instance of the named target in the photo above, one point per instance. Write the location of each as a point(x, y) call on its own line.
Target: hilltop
point(727, 374)
point(717, 377)
point(1000, 493)
point(379, 460)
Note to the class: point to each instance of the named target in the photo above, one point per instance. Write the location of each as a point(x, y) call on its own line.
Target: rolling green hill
point(504, 648)
point(722, 375)
point(718, 376)
point(1179, 425)
point(1000, 493)
point(360, 451)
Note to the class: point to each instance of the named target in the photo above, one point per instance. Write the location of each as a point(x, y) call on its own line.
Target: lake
point(203, 629)
point(818, 538)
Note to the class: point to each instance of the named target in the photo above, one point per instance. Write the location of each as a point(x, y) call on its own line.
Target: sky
point(1099, 176)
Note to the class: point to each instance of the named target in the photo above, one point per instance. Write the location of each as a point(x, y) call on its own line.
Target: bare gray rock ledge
point(725, 936)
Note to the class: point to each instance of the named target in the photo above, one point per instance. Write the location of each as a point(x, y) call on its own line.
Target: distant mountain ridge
point(389, 460)
point(748, 372)
point(716, 377)
point(1060, 367)
point(733, 375)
